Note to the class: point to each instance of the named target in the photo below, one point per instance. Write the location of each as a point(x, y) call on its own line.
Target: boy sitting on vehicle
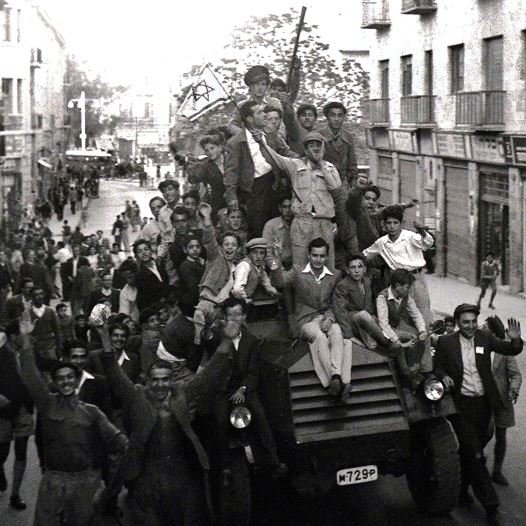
point(250, 271)
point(401, 321)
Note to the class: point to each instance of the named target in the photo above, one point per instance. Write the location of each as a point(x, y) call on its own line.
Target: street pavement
point(385, 502)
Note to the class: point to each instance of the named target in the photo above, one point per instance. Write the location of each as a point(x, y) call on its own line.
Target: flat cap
point(465, 307)
point(256, 242)
point(313, 136)
point(255, 74)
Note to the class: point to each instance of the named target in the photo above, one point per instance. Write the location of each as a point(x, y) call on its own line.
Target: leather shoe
point(499, 478)
point(465, 499)
point(16, 502)
point(493, 518)
point(335, 386)
point(346, 393)
point(3, 480)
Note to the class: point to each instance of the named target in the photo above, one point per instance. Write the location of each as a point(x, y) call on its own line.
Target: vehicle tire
point(433, 476)
point(235, 502)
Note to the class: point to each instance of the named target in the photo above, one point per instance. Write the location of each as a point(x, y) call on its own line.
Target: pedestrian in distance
point(489, 272)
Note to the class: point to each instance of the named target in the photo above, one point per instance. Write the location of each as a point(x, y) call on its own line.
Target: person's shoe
point(227, 479)
point(500, 479)
point(335, 386)
point(16, 502)
point(3, 480)
point(493, 518)
point(465, 499)
point(279, 470)
point(491, 306)
point(346, 393)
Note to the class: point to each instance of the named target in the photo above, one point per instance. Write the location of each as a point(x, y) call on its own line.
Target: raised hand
point(205, 210)
point(514, 329)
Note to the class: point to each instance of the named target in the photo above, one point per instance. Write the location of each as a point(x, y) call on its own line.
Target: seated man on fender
point(242, 390)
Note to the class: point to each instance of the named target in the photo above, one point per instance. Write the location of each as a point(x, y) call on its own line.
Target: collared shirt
point(277, 231)
point(261, 166)
point(153, 267)
point(403, 253)
point(122, 358)
point(241, 276)
point(75, 265)
point(383, 314)
point(325, 272)
point(471, 381)
point(85, 376)
point(39, 311)
point(236, 341)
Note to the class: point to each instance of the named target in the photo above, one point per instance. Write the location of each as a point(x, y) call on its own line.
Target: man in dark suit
point(129, 362)
point(105, 294)
point(463, 361)
point(151, 280)
point(16, 305)
point(93, 388)
point(241, 389)
point(250, 180)
point(68, 271)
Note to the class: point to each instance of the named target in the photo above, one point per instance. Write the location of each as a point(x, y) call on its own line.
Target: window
point(384, 79)
point(7, 93)
point(493, 63)
point(18, 25)
point(19, 97)
point(7, 24)
point(428, 72)
point(456, 64)
point(406, 66)
point(147, 110)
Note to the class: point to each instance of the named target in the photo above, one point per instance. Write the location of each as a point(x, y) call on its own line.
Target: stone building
point(32, 67)
point(448, 125)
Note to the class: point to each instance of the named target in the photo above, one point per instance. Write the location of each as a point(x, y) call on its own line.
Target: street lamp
point(81, 104)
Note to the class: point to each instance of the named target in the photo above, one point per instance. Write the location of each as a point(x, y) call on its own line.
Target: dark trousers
point(259, 205)
point(265, 450)
point(471, 426)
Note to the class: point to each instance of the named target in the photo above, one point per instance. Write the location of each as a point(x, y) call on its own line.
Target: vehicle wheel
point(235, 502)
point(433, 476)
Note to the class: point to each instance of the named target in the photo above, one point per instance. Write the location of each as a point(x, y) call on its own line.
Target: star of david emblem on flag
point(205, 94)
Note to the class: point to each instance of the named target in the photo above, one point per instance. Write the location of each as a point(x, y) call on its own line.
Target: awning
point(45, 163)
point(87, 153)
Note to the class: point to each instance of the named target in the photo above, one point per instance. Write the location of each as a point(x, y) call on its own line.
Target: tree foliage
point(326, 75)
point(101, 93)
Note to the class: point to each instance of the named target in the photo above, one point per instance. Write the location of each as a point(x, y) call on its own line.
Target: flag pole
point(296, 45)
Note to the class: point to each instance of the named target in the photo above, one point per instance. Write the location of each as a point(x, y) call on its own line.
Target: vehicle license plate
point(357, 475)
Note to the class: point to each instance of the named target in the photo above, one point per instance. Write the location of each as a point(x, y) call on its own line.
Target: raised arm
point(232, 166)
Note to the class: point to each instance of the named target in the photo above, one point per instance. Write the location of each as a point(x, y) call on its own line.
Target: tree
point(326, 75)
point(97, 121)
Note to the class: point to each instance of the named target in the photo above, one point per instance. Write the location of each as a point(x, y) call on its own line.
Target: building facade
point(448, 125)
point(32, 67)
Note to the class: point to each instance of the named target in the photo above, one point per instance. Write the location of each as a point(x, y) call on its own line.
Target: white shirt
point(85, 376)
point(75, 264)
point(471, 381)
point(403, 253)
point(122, 357)
point(236, 341)
point(325, 272)
point(153, 267)
point(261, 166)
point(39, 311)
point(62, 255)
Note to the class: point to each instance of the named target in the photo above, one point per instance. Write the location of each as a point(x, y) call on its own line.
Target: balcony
point(481, 109)
point(375, 14)
point(379, 113)
point(12, 122)
point(418, 110)
point(418, 7)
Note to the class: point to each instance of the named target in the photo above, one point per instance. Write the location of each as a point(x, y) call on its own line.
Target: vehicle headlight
point(240, 417)
point(434, 389)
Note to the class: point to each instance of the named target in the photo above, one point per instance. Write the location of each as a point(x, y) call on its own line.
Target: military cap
point(333, 106)
point(313, 136)
point(255, 74)
point(256, 242)
point(465, 307)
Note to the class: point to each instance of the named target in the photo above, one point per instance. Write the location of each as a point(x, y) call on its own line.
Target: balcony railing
point(418, 7)
point(375, 14)
point(12, 122)
point(379, 112)
point(418, 109)
point(480, 108)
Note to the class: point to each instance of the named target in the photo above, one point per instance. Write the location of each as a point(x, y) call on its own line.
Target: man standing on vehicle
point(463, 361)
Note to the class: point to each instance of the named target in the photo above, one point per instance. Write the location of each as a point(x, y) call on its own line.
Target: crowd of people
point(151, 337)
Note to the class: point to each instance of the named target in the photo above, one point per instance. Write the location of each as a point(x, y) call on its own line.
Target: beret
point(313, 136)
point(256, 242)
point(465, 307)
point(255, 74)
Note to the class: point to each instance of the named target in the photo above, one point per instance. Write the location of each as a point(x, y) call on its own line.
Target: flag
point(205, 94)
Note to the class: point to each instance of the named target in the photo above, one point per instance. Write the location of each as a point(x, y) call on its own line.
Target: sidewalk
point(447, 293)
